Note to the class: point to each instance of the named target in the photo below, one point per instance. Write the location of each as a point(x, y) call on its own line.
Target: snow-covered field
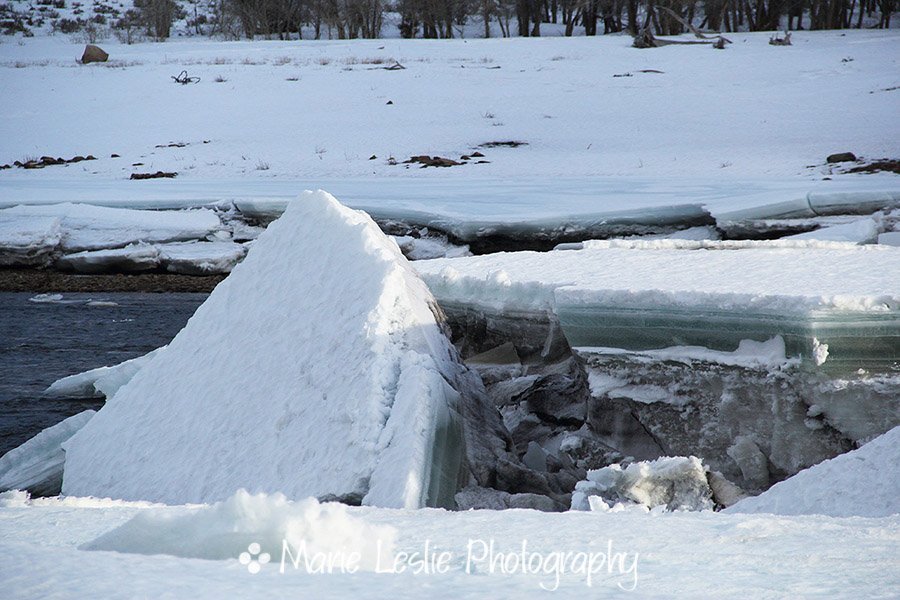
point(612, 140)
point(318, 110)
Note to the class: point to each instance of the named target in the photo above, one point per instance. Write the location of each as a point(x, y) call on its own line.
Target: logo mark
point(254, 558)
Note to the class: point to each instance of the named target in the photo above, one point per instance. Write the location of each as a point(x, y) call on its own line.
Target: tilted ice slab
point(864, 482)
point(37, 465)
point(341, 383)
point(643, 295)
point(87, 227)
point(99, 382)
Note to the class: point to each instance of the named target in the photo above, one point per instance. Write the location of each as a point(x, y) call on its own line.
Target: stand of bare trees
point(348, 19)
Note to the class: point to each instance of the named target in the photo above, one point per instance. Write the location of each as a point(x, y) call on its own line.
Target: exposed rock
point(432, 161)
point(93, 53)
point(841, 157)
point(157, 175)
point(480, 498)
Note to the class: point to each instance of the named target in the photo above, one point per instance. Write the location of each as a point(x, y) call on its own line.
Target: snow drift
point(318, 368)
point(864, 482)
point(225, 529)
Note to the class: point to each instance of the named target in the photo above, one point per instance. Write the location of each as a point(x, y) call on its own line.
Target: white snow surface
point(557, 94)
point(337, 387)
point(39, 461)
point(88, 227)
point(684, 554)
point(225, 529)
point(864, 483)
point(795, 276)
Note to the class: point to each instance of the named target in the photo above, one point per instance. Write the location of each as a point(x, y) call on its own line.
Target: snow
point(864, 482)
point(676, 483)
point(37, 465)
point(557, 94)
point(343, 388)
point(225, 529)
point(693, 554)
point(761, 275)
point(87, 227)
point(102, 381)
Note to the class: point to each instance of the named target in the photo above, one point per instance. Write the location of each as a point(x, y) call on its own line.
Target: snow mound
point(37, 465)
point(864, 483)
point(102, 381)
point(678, 483)
point(343, 386)
point(225, 530)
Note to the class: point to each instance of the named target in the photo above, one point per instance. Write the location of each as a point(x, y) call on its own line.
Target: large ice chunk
point(28, 242)
point(864, 482)
point(676, 482)
point(37, 465)
point(643, 295)
point(317, 368)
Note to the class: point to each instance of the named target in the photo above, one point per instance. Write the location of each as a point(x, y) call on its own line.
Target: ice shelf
point(833, 303)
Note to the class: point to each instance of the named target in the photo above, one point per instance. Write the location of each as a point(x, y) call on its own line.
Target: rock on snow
point(864, 482)
point(318, 368)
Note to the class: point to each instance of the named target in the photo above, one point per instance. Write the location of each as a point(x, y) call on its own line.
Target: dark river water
point(42, 342)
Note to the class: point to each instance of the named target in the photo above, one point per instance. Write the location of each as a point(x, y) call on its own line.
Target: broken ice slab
point(837, 339)
point(37, 465)
point(831, 302)
point(557, 209)
point(749, 216)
